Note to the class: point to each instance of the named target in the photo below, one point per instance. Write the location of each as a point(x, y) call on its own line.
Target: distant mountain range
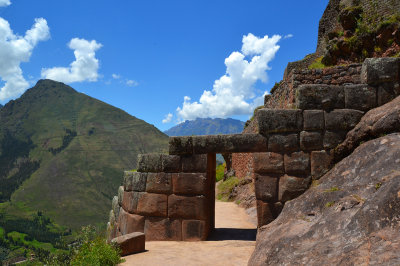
point(206, 126)
point(63, 153)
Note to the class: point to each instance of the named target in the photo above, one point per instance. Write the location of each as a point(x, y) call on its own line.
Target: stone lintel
point(229, 143)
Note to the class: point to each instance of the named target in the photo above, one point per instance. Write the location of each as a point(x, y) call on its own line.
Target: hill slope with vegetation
point(63, 153)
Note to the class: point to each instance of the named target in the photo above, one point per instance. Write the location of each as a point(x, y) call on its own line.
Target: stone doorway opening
point(227, 220)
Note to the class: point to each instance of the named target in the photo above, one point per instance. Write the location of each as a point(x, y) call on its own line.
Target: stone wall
point(172, 197)
point(284, 96)
point(374, 10)
point(168, 198)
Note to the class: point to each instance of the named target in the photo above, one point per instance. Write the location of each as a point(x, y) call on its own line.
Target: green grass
point(220, 172)
point(317, 64)
point(2, 232)
point(329, 204)
point(332, 189)
point(225, 188)
point(20, 237)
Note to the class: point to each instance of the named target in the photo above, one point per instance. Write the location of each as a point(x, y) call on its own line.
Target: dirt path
point(231, 244)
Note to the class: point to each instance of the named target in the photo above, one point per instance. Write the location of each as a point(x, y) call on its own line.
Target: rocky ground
point(231, 244)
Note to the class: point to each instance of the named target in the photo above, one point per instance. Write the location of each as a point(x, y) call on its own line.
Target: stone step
point(130, 243)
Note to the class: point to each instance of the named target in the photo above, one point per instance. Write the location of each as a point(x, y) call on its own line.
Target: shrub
point(93, 250)
point(96, 252)
point(220, 172)
point(225, 188)
point(317, 64)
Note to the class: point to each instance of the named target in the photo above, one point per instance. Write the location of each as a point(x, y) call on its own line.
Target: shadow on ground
point(220, 234)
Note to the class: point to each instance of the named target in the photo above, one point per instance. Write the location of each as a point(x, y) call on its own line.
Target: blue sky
point(146, 56)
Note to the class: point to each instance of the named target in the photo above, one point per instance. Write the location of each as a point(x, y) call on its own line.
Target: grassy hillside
point(63, 153)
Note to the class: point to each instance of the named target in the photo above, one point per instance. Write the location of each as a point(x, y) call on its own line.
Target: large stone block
point(387, 92)
point(277, 121)
point(326, 97)
point(313, 119)
point(194, 230)
point(130, 243)
point(194, 163)
point(333, 138)
point(267, 212)
point(129, 223)
point(162, 229)
point(159, 183)
point(245, 143)
point(297, 163)
point(115, 206)
point(229, 143)
point(151, 204)
point(321, 163)
point(120, 194)
point(283, 143)
point(190, 183)
point(170, 163)
point(311, 140)
point(291, 187)
point(112, 231)
point(134, 181)
point(268, 162)
point(208, 144)
point(150, 162)
point(180, 145)
point(130, 200)
point(266, 187)
point(155, 162)
point(111, 217)
point(194, 207)
point(342, 119)
point(360, 97)
point(379, 70)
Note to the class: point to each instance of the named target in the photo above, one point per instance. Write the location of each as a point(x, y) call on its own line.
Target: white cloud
point(234, 92)
point(15, 49)
point(5, 3)
point(85, 66)
point(132, 83)
point(167, 118)
point(288, 36)
point(116, 76)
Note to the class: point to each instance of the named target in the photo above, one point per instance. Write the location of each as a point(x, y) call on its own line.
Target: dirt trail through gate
point(231, 244)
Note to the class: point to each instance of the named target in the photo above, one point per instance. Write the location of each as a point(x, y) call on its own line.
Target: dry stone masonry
point(171, 197)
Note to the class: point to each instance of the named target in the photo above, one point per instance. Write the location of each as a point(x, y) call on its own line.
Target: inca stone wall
point(171, 197)
point(374, 10)
point(284, 96)
point(168, 198)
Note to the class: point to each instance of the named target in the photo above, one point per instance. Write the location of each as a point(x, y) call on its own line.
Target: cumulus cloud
point(234, 92)
point(15, 49)
point(167, 118)
point(84, 68)
point(132, 83)
point(5, 3)
point(288, 36)
point(116, 76)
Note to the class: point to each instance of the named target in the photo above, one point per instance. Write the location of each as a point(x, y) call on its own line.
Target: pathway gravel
point(232, 243)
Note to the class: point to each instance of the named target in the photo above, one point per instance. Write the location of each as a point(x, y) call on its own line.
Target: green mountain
point(206, 126)
point(63, 153)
